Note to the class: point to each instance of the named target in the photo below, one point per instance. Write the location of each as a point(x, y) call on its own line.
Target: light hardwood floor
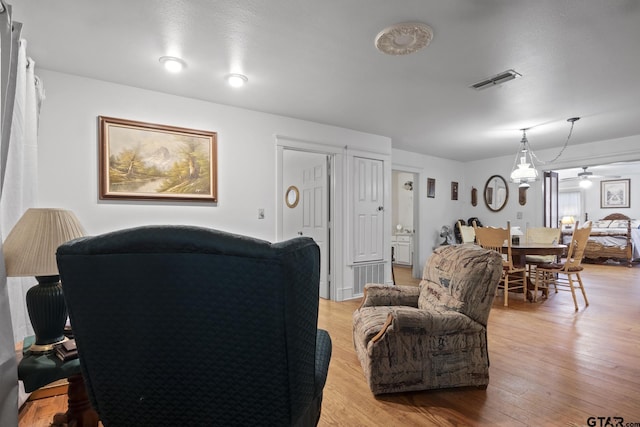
point(550, 366)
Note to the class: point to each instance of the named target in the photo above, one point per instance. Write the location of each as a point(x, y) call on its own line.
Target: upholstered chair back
point(182, 326)
point(464, 282)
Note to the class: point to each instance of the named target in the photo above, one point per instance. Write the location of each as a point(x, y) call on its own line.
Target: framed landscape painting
point(614, 193)
point(147, 161)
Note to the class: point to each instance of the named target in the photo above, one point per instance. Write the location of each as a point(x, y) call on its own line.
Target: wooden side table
point(38, 370)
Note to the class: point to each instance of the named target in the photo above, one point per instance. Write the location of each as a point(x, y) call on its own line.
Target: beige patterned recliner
point(432, 336)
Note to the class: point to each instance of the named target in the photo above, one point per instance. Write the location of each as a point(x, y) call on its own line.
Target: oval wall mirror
point(292, 196)
point(496, 193)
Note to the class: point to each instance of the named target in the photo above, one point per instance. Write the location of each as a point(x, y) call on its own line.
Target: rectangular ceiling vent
point(496, 80)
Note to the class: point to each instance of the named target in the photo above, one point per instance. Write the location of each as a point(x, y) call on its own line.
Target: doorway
point(403, 220)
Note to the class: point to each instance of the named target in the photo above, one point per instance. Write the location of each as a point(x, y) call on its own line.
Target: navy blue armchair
point(188, 326)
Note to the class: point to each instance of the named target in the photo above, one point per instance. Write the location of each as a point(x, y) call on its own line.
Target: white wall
point(68, 155)
point(247, 157)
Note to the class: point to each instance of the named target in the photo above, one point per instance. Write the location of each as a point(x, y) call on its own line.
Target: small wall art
point(431, 187)
point(522, 196)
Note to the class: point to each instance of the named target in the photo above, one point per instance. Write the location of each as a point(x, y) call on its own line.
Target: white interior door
point(308, 172)
point(368, 210)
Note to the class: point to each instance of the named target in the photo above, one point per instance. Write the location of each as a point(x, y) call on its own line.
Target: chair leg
point(552, 279)
point(547, 283)
point(543, 281)
point(573, 290)
point(584, 293)
point(533, 274)
point(506, 290)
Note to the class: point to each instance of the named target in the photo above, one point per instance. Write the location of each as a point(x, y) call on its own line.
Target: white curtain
point(570, 204)
point(22, 95)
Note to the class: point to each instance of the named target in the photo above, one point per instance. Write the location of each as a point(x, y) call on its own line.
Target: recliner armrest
point(425, 322)
point(323, 357)
point(385, 295)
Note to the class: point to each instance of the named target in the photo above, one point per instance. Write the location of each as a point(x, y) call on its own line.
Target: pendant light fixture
point(524, 169)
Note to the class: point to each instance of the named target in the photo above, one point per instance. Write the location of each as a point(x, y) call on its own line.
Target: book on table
point(67, 350)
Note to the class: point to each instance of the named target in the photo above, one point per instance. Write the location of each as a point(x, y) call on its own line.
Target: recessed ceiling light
point(173, 64)
point(237, 80)
point(405, 38)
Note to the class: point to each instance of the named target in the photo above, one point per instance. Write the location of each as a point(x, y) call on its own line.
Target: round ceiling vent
point(402, 39)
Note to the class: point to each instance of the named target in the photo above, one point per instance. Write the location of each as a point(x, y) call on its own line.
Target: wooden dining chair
point(543, 236)
point(467, 233)
point(513, 277)
point(564, 276)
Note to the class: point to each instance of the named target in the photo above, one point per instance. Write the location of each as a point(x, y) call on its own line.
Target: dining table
point(520, 251)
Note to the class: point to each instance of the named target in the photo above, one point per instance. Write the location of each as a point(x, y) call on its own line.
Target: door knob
point(299, 233)
point(380, 208)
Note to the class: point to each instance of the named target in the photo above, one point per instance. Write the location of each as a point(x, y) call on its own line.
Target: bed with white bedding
point(615, 237)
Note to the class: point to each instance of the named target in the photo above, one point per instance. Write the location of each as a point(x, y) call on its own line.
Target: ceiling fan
point(585, 177)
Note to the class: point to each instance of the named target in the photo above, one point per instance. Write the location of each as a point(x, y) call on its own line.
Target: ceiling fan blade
point(580, 178)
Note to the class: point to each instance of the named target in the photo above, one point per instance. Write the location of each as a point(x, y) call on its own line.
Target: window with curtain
point(570, 204)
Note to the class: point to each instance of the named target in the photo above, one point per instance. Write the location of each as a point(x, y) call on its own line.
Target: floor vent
point(367, 273)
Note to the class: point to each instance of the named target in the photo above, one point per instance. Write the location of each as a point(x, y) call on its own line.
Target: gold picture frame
point(148, 161)
point(292, 196)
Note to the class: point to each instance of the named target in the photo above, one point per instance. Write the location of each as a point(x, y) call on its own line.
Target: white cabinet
point(402, 249)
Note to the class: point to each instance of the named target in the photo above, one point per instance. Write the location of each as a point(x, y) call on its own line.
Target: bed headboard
point(615, 216)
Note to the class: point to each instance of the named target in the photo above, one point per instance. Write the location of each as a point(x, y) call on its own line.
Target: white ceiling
point(316, 60)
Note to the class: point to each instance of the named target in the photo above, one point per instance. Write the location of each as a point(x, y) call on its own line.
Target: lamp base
point(48, 313)
point(45, 348)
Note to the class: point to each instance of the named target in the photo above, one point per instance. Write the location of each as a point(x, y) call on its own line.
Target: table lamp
point(30, 250)
point(515, 235)
point(567, 221)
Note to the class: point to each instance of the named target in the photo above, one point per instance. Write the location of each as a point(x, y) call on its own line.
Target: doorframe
point(351, 154)
point(416, 268)
point(334, 219)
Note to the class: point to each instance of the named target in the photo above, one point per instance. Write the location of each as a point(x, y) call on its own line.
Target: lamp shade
point(524, 170)
point(515, 231)
point(567, 220)
point(30, 247)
